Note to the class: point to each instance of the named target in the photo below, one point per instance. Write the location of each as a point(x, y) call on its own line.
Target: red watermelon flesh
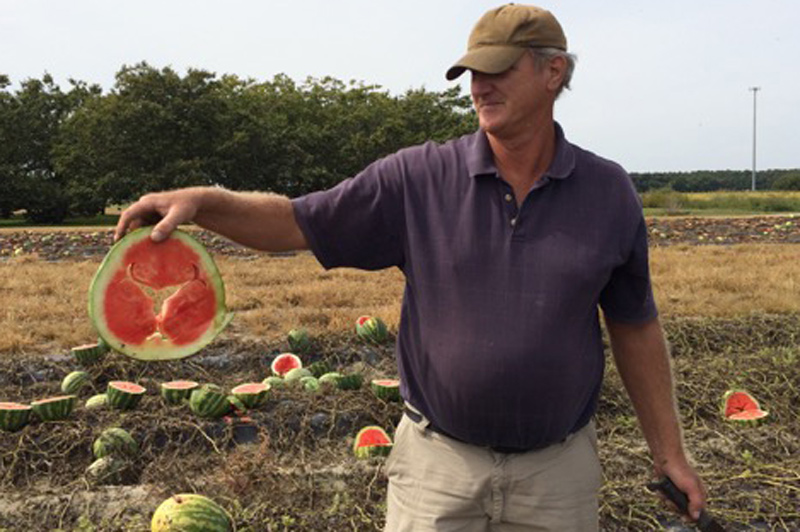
point(738, 402)
point(748, 415)
point(184, 315)
point(158, 301)
point(373, 438)
point(362, 319)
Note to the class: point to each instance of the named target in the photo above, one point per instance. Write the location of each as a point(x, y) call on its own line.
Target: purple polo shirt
point(499, 342)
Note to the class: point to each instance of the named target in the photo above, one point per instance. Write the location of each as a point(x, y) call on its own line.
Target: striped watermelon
point(191, 512)
point(372, 441)
point(386, 389)
point(74, 382)
point(176, 392)
point(108, 470)
point(284, 363)
point(54, 408)
point(115, 442)
point(209, 401)
point(251, 394)
point(330, 380)
point(89, 354)
point(294, 375)
point(14, 416)
point(135, 278)
point(273, 381)
point(372, 329)
point(299, 341)
point(96, 402)
point(352, 381)
point(124, 395)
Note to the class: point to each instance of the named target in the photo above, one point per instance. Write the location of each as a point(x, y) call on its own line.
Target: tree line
point(709, 181)
point(74, 151)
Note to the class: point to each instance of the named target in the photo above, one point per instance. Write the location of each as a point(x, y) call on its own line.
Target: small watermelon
point(176, 392)
point(299, 341)
point(386, 389)
point(273, 381)
point(74, 382)
point(124, 395)
point(310, 383)
point(209, 401)
point(739, 406)
point(89, 354)
point(284, 363)
point(190, 512)
point(115, 442)
point(14, 416)
point(108, 470)
point(372, 441)
point(96, 402)
point(372, 329)
point(252, 394)
point(54, 408)
point(293, 376)
point(352, 381)
point(319, 368)
point(330, 380)
point(134, 279)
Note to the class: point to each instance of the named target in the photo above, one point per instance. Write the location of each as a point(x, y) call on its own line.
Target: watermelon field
point(729, 293)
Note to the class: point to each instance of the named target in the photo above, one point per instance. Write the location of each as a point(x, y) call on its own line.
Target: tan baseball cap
point(503, 34)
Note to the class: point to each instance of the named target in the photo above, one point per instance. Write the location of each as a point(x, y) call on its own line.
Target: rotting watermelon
point(372, 441)
point(739, 406)
point(158, 301)
point(284, 363)
point(14, 416)
point(190, 511)
point(124, 395)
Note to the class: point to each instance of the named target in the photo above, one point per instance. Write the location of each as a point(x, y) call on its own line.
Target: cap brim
point(490, 59)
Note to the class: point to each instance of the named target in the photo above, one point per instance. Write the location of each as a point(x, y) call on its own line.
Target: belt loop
point(415, 415)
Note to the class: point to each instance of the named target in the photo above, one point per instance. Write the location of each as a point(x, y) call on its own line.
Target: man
point(510, 239)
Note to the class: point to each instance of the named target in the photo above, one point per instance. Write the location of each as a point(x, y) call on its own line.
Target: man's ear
point(556, 69)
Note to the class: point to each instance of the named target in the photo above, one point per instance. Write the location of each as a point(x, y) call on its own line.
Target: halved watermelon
point(176, 392)
point(739, 406)
point(285, 362)
point(14, 416)
point(158, 301)
point(54, 408)
point(251, 394)
point(372, 329)
point(372, 441)
point(124, 395)
point(386, 389)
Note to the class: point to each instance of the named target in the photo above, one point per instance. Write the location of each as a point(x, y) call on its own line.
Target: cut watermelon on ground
point(14, 416)
point(372, 441)
point(54, 408)
point(124, 395)
point(372, 329)
point(284, 363)
point(251, 394)
point(386, 389)
point(158, 301)
point(176, 392)
point(739, 406)
point(89, 354)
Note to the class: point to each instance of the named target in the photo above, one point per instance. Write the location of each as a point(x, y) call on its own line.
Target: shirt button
point(513, 222)
point(509, 197)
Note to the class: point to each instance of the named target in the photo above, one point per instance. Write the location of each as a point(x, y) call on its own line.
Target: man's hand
point(167, 210)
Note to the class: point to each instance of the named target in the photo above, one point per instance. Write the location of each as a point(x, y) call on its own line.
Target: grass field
point(719, 203)
point(731, 313)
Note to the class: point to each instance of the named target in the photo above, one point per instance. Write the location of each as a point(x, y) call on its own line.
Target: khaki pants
point(439, 484)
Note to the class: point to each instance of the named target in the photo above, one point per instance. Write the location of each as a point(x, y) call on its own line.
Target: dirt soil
point(288, 465)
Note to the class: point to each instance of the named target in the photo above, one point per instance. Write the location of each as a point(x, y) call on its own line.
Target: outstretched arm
point(258, 220)
point(641, 356)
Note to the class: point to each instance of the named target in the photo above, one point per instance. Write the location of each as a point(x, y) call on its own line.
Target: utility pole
point(755, 93)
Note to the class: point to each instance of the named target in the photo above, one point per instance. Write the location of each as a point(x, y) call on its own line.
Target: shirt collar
point(480, 161)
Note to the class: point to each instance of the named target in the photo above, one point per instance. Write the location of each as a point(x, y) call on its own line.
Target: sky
point(659, 86)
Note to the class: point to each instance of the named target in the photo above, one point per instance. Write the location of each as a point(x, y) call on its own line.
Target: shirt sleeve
point(628, 295)
point(359, 223)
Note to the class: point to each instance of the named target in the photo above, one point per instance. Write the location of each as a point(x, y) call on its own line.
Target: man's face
point(515, 100)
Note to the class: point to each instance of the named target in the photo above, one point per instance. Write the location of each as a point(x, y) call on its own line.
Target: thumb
point(165, 227)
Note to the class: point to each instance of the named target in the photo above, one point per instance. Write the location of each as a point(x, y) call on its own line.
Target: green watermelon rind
point(372, 330)
point(108, 470)
point(351, 381)
point(209, 401)
point(96, 402)
point(362, 451)
point(111, 264)
point(123, 399)
point(115, 441)
point(74, 382)
point(14, 416)
point(299, 340)
point(194, 512)
point(54, 408)
point(89, 354)
point(386, 389)
point(287, 356)
point(177, 396)
point(251, 399)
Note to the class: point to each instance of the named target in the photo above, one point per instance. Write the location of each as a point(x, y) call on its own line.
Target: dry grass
point(44, 304)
